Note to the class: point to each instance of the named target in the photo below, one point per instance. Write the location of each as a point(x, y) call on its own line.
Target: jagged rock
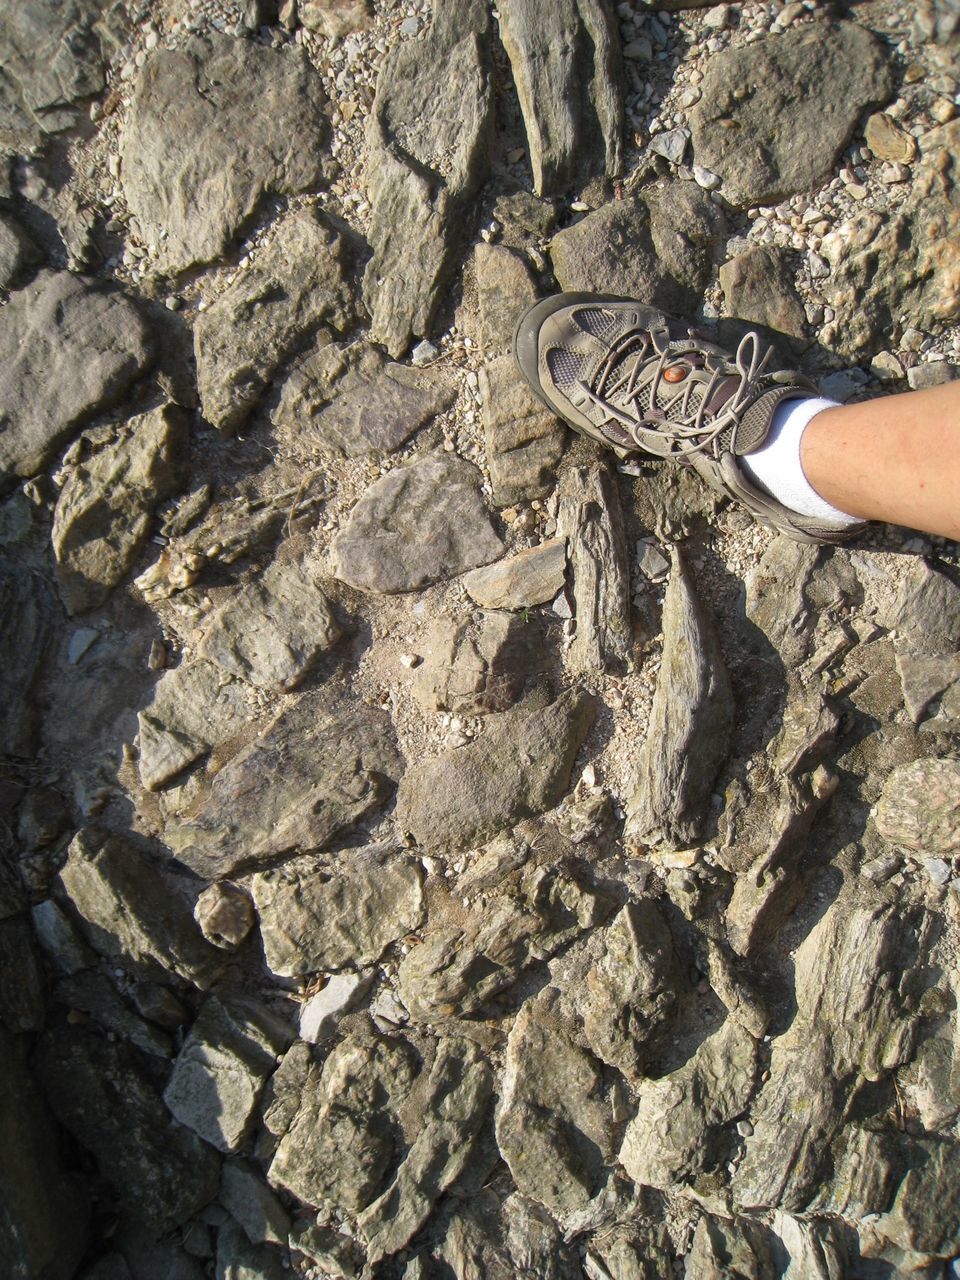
point(554, 1125)
point(224, 914)
point(59, 938)
point(631, 993)
point(533, 576)
point(100, 1093)
point(922, 1214)
point(778, 597)
point(69, 348)
point(295, 1073)
point(131, 912)
point(94, 994)
point(346, 1135)
point(817, 1249)
point(416, 525)
point(524, 219)
point(690, 722)
point(273, 629)
point(566, 66)
point(238, 1259)
point(505, 289)
point(721, 1249)
point(501, 1240)
point(428, 141)
point(22, 986)
point(757, 289)
point(887, 272)
point(18, 252)
point(924, 680)
point(657, 245)
point(43, 1212)
point(195, 707)
point(454, 1104)
point(524, 441)
point(474, 672)
point(638, 1251)
point(794, 100)
point(318, 915)
point(674, 1135)
point(356, 402)
point(295, 285)
point(919, 807)
point(27, 614)
point(336, 1253)
point(256, 120)
point(116, 477)
point(323, 764)
point(519, 767)
point(224, 1063)
point(320, 1014)
point(924, 611)
point(591, 521)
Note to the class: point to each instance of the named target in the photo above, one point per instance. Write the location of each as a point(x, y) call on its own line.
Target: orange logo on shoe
point(675, 373)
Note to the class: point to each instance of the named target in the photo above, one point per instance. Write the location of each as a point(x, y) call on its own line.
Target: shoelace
point(748, 363)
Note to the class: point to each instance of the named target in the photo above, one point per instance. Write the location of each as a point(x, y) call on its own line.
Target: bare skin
point(896, 458)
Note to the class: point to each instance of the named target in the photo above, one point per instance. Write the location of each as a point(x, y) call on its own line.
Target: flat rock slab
point(474, 670)
point(415, 526)
point(531, 577)
point(775, 115)
point(28, 612)
point(519, 767)
point(317, 915)
point(256, 123)
point(505, 289)
point(565, 59)
point(272, 631)
point(117, 476)
point(524, 441)
point(322, 765)
point(295, 285)
point(69, 348)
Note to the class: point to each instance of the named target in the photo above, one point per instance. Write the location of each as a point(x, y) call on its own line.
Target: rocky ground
point(427, 848)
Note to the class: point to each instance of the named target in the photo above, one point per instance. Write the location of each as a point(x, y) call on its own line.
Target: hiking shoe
point(639, 381)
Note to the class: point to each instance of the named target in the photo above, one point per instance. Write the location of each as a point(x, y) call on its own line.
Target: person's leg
point(895, 458)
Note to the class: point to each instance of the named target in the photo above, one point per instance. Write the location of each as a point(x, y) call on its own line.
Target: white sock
point(776, 466)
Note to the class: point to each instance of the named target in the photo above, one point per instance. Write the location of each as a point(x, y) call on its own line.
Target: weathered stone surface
point(195, 707)
point(757, 289)
point(256, 121)
point(591, 521)
point(454, 1104)
point(334, 18)
point(657, 245)
point(116, 477)
point(919, 807)
point(340, 993)
point(474, 671)
point(924, 611)
point(519, 767)
point(904, 268)
point(244, 1194)
point(690, 722)
point(533, 576)
point(416, 525)
point(220, 1071)
point(68, 349)
point(505, 289)
point(131, 912)
point(100, 1093)
point(224, 914)
point(322, 765)
point(524, 441)
point(566, 65)
point(346, 1134)
point(239, 1259)
point(94, 994)
point(273, 629)
point(27, 614)
point(296, 285)
point(719, 1249)
point(18, 252)
point(318, 915)
point(794, 101)
point(428, 142)
point(637, 1251)
point(887, 140)
point(925, 680)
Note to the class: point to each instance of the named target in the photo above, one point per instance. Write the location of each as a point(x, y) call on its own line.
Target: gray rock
point(416, 525)
point(454, 1104)
point(69, 348)
point(919, 807)
point(474, 671)
point(758, 289)
point(224, 914)
point(116, 478)
point(720, 1246)
point(657, 245)
point(272, 631)
point(531, 577)
point(220, 1072)
point(149, 1255)
point(238, 1259)
point(640, 1249)
point(505, 289)
point(690, 723)
point(131, 912)
point(94, 994)
point(924, 611)
point(296, 284)
point(794, 100)
point(282, 1095)
point(519, 767)
point(59, 938)
point(320, 1014)
point(317, 915)
point(566, 65)
point(100, 1093)
point(672, 145)
point(591, 521)
point(22, 986)
point(886, 274)
point(524, 441)
point(43, 1212)
point(346, 1135)
point(324, 764)
point(27, 615)
point(926, 679)
point(18, 252)
point(334, 18)
point(337, 1253)
point(428, 141)
point(934, 374)
point(258, 126)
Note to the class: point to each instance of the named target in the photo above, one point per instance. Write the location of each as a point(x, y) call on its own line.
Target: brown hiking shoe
point(639, 381)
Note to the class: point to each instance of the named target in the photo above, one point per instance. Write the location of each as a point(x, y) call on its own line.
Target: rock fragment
point(239, 1259)
point(756, 290)
point(925, 679)
point(224, 914)
point(524, 442)
point(505, 289)
point(245, 1195)
point(887, 140)
point(919, 807)
point(531, 577)
point(474, 674)
point(319, 1015)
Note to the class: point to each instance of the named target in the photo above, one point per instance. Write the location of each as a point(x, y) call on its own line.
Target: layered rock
point(524, 442)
